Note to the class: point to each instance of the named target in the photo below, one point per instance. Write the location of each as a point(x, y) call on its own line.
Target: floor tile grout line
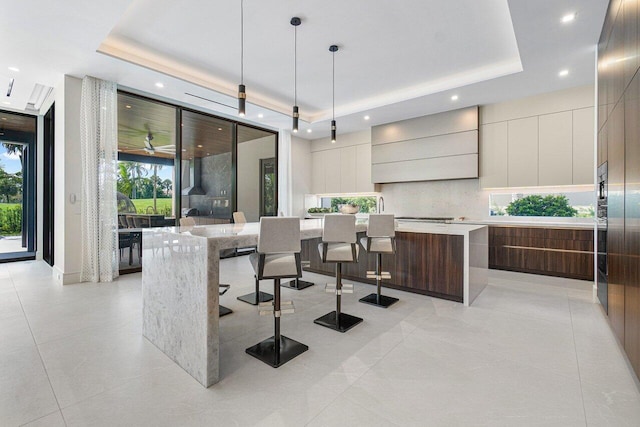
point(46, 372)
point(44, 416)
point(575, 347)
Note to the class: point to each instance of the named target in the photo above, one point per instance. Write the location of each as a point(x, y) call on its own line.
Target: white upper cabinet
point(332, 171)
point(522, 152)
point(493, 155)
point(545, 140)
point(583, 146)
point(348, 170)
point(556, 149)
point(343, 167)
point(363, 169)
point(317, 172)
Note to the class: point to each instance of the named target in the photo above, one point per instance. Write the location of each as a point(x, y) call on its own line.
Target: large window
point(175, 162)
point(576, 203)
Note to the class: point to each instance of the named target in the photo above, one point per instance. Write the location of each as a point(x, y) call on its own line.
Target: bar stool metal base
point(255, 299)
point(297, 284)
point(266, 351)
point(223, 311)
point(346, 322)
point(379, 300)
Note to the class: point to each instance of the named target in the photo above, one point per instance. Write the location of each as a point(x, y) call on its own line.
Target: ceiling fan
point(149, 147)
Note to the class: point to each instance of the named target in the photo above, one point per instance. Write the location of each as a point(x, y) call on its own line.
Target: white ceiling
point(394, 62)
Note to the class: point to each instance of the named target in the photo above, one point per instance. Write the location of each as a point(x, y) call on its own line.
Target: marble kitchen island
point(180, 279)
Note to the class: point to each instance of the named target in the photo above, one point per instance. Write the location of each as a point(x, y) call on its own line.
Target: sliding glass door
point(17, 186)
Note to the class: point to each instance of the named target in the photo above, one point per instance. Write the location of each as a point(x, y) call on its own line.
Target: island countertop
point(180, 278)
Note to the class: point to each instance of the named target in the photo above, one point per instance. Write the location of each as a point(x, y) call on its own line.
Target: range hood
point(195, 167)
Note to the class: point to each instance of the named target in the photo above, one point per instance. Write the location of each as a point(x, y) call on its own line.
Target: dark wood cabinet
point(428, 264)
point(562, 252)
point(619, 146)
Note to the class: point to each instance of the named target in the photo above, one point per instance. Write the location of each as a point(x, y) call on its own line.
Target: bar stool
point(339, 246)
point(381, 239)
point(278, 257)
point(256, 297)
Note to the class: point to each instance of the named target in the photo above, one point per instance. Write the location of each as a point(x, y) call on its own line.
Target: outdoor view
point(149, 186)
point(10, 197)
point(567, 204)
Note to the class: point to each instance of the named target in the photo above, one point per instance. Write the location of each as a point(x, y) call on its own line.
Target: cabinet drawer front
point(570, 264)
point(571, 245)
point(568, 234)
point(524, 232)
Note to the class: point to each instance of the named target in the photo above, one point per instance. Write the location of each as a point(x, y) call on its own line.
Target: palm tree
point(136, 170)
point(155, 186)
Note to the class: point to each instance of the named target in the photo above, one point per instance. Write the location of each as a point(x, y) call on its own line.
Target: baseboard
point(63, 278)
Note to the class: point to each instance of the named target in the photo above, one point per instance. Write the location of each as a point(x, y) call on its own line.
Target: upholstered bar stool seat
point(380, 240)
point(256, 297)
point(278, 257)
point(339, 246)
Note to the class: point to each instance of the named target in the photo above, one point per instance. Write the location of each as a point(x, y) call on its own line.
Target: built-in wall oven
point(602, 236)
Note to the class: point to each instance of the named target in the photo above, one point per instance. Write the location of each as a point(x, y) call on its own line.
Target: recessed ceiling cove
point(390, 51)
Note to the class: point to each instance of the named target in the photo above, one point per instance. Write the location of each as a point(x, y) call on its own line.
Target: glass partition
point(206, 168)
point(257, 173)
point(147, 135)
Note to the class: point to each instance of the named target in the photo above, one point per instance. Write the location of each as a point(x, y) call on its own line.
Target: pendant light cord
point(241, 41)
point(333, 93)
point(295, 65)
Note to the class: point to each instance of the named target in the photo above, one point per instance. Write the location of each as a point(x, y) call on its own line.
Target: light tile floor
point(532, 350)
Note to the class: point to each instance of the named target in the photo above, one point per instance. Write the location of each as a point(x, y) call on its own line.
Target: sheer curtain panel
point(99, 152)
point(285, 187)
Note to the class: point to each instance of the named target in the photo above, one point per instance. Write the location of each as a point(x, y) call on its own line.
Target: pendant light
point(333, 49)
point(242, 95)
point(295, 21)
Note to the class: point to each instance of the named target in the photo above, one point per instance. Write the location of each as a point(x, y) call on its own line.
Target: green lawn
point(163, 205)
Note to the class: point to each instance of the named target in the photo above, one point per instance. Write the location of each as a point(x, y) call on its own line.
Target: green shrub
point(535, 205)
point(10, 219)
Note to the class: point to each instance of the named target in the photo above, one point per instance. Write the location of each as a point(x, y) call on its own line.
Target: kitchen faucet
point(380, 204)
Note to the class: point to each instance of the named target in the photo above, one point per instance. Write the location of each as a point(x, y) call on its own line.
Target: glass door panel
point(257, 173)
point(17, 186)
point(207, 168)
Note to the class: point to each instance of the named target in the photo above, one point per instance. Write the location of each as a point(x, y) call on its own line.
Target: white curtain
point(99, 150)
point(285, 186)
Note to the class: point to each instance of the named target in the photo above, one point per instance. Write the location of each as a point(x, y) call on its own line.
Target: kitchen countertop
point(460, 229)
point(530, 223)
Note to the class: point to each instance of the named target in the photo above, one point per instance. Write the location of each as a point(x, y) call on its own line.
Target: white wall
point(300, 174)
point(68, 176)
point(249, 155)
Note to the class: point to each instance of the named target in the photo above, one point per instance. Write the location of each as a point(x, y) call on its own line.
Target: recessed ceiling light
point(14, 69)
point(127, 106)
point(199, 145)
point(4, 118)
point(219, 128)
point(568, 17)
point(160, 84)
point(563, 73)
point(208, 154)
point(184, 149)
point(367, 117)
point(260, 115)
point(309, 131)
point(454, 98)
